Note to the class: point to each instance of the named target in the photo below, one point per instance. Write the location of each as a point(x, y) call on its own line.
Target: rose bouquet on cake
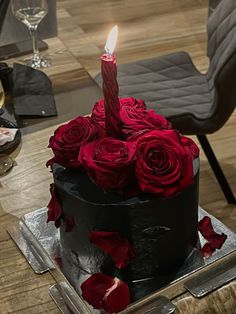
point(149, 156)
point(146, 172)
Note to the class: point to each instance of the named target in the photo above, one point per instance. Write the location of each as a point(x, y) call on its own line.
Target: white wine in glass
point(2, 95)
point(31, 13)
point(6, 163)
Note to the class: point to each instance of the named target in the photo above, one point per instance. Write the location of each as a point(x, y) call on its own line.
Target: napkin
point(32, 92)
point(7, 135)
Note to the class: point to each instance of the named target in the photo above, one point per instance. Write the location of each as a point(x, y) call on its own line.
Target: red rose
point(54, 207)
point(163, 167)
point(68, 138)
point(98, 112)
point(105, 292)
point(109, 162)
point(115, 245)
point(190, 146)
point(137, 121)
point(132, 103)
point(215, 240)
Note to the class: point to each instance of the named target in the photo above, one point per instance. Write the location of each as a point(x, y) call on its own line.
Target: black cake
point(162, 231)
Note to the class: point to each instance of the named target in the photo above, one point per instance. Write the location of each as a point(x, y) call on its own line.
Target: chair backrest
point(222, 54)
point(212, 4)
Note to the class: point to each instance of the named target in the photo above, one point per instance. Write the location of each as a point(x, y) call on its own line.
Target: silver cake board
point(40, 244)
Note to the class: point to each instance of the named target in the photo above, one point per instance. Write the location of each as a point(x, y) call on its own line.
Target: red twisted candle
point(111, 88)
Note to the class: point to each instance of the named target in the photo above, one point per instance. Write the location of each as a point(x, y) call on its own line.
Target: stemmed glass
point(31, 13)
point(2, 95)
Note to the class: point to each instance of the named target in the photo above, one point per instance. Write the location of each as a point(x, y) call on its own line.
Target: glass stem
point(33, 33)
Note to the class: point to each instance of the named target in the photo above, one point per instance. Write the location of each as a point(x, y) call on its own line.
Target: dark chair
point(212, 4)
point(196, 104)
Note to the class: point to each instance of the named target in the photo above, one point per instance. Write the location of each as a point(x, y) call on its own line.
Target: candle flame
point(111, 40)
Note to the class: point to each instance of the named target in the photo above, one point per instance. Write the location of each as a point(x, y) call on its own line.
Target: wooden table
point(26, 188)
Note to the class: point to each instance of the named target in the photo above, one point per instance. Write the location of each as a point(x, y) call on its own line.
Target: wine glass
point(6, 162)
point(31, 13)
point(2, 95)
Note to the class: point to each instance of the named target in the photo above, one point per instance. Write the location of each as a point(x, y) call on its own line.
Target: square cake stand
point(40, 243)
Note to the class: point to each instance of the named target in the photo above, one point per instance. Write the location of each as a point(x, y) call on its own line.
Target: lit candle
point(110, 86)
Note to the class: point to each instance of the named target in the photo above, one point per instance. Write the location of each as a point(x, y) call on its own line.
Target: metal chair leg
point(216, 169)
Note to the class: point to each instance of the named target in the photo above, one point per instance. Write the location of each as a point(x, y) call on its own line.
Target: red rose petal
point(218, 240)
point(207, 250)
point(54, 207)
point(117, 297)
point(115, 245)
point(94, 289)
point(105, 292)
point(205, 227)
point(215, 239)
